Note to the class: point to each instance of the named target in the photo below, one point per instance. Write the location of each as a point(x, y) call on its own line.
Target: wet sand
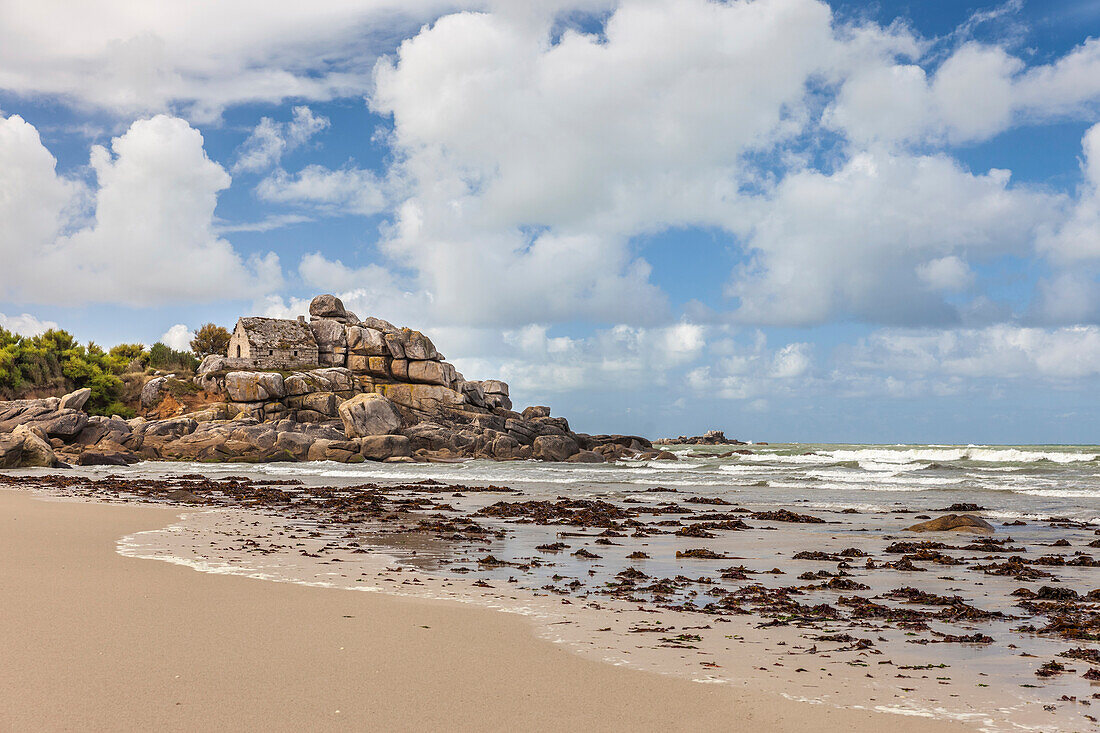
point(96, 641)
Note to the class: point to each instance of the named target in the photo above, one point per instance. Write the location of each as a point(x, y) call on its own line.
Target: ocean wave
point(882, 477)
point(969, 453)
point(1062, 493)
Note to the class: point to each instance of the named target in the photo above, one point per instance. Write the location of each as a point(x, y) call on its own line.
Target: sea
point(1013, 482)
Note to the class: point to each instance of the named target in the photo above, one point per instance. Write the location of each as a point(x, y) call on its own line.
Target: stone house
point(272, 343)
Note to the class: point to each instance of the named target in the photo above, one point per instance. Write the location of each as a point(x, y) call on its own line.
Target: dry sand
point(91, 640)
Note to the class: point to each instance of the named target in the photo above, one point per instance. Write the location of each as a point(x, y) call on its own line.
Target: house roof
point(277, 333)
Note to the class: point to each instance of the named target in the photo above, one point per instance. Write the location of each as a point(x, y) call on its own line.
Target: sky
point(792, 220)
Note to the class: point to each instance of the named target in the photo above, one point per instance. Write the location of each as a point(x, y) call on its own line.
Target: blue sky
point(788, 219)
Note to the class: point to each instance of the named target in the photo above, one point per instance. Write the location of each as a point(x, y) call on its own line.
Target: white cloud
point(970, 97)
point(131, 57)
point(269, 140)
point(34, 200)
point(333, 192)
point(793, 360)
point(1072, 293)
point(530, 163)
point(946, 273)
point(1079, 237)
point(526, 158)
point(1068, 87)
point(618, 357)
point(178, 337)
point(150, 238)
point(26, 324)
point(267, 224)
point(739, 370)
point(858, 242)
point(977, 92)
point(1000, 352)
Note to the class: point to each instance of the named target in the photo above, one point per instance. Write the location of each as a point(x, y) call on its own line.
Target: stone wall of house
point(285, 359)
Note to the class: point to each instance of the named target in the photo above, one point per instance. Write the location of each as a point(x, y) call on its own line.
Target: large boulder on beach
point(329, 334)
point(954, 523)
point(366, 341)
point(36, 451)
point(381, 447)
point(75, 400)
point(153, 392)
point(369, 414)
point(327, 306)
point(431, 372)
point(341, 378)
point(63, 424)
point(11, 451)
point(554, 447)
point(424, 398)
point(212, 363)
point(254, 386)
point(417, 345)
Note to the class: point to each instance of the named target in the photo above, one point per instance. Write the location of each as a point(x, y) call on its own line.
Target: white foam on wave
point(851, 477)
point(895, 456)
point(840, 486)
point(1062, 493)
point(892, 468)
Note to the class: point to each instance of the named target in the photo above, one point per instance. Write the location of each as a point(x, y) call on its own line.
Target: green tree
point(166, 358)
point(210, 339)
point(124, 355)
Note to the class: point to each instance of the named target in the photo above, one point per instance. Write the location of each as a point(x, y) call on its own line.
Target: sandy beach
point(96, 641)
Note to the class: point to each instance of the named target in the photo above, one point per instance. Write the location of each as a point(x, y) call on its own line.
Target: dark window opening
point(238, 351)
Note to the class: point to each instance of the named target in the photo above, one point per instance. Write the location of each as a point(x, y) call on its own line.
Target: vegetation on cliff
point(54, 362)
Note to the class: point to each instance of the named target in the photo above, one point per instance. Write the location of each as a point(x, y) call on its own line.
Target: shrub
point(162, 357)
point(210, 339)
point(54, 360)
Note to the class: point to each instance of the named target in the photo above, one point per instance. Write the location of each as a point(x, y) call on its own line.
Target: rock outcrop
point(367, 415)
point(380, 393)
point(711, 437)
point(954, 523)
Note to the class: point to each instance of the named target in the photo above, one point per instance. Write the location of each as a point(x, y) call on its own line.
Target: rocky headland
point(372, 391)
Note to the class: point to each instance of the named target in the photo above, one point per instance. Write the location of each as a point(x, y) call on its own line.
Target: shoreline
point(92, 647)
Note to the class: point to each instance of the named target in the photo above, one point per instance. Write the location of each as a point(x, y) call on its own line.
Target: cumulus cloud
point(1070, 86)
point(946, 273)
point(531, 162)
point(1078, 238)
point(34, 201)
point(1000, 352)
point(749, 369)
point(25, 324)
point(524, 157)
point(969, 97)
point(1072, 293)
point(133, 58)
point(618, 357)
point(977, 92)
point(868, 240)
point(178, 337)
point(327, 191)
point(267, 142)
point(149, 238)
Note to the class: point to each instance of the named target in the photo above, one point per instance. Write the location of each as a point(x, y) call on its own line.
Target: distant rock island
point(711, 437)
point(334, 387)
